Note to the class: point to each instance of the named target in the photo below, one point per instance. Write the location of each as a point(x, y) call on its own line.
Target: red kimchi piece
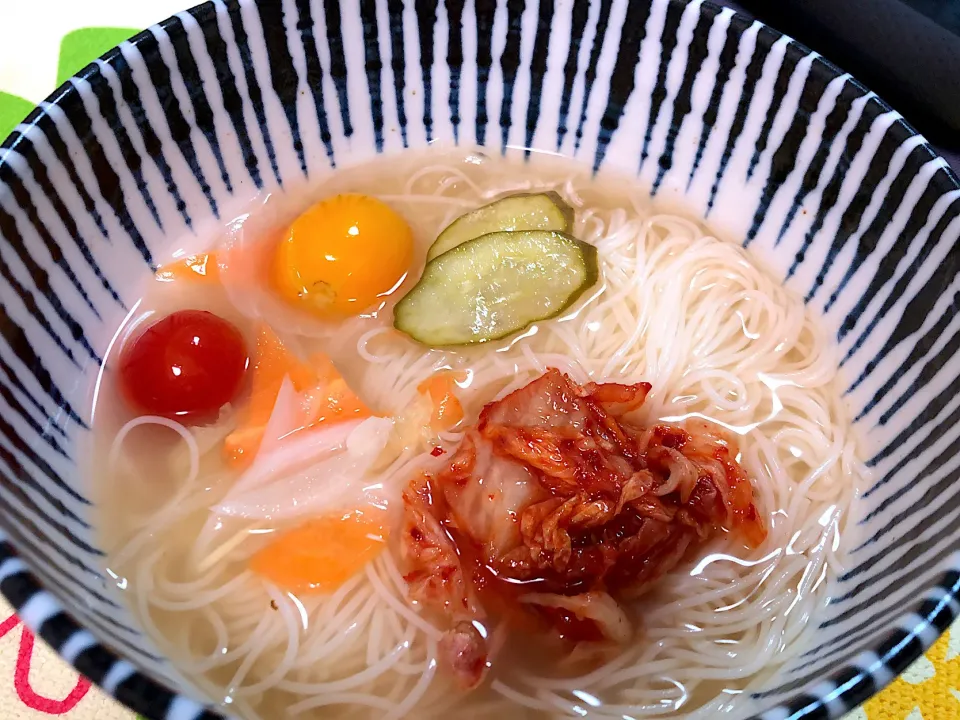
point(558, 506)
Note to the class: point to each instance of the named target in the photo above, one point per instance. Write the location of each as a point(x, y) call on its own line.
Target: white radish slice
point(312, 472)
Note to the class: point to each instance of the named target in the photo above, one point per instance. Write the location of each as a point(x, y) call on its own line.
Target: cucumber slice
point(496, 285)
point(543, 211)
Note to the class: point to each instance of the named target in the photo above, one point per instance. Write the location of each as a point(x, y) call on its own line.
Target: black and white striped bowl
point(727, 118)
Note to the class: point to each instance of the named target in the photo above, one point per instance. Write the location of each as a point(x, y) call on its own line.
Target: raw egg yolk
point(341, 255)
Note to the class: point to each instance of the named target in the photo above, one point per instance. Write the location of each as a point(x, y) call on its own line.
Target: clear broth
point(807, 517)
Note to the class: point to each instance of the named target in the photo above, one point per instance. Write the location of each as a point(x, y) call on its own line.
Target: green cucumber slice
point(542, 211)
point(495, 285)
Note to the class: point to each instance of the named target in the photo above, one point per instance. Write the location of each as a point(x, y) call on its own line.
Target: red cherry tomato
point(186, 366)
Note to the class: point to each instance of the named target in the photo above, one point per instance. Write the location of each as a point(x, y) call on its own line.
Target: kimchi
point(558, 509)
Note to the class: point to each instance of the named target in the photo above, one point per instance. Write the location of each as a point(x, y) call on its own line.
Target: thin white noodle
point(186, 488)
point(694, 316)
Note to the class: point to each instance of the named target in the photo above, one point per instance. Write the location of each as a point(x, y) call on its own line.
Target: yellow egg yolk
point(341, 255)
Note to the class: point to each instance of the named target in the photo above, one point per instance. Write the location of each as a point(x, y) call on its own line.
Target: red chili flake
point(437, 451)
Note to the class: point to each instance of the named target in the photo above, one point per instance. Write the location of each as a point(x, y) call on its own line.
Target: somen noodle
point(717, 337)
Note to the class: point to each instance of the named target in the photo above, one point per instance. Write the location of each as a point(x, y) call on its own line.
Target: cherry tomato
point(186, 366)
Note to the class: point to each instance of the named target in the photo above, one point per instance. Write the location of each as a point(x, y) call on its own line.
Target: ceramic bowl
point(726, 118)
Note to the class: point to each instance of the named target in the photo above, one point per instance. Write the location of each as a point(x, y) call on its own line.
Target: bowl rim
point(843, 689)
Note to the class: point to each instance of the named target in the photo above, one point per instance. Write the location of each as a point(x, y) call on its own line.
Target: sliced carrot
point(447, 410)
point(327, 396)
point(322, 554)
point(324, 368)
point(334, 401)
point(196, 268)
point(272, 363)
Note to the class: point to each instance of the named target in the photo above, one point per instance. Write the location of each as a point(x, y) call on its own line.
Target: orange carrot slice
point(322, 554)
point(272, 363)
point(334, 401)
point(447, 410)
point(196, 268)
point(327, 396)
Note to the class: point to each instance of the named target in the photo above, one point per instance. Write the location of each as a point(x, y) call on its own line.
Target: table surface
point(42, 42)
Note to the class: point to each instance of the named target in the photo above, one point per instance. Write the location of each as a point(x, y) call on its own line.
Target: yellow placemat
point(928, 690)
point(42, 42)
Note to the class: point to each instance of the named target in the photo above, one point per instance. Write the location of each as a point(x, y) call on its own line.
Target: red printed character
point(21, 678)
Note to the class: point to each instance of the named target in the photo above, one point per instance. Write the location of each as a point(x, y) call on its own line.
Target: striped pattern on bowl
point(724, 117)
